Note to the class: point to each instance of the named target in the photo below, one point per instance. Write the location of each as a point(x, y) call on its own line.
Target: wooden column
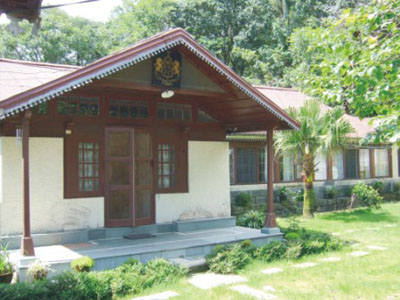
point(270, 222)
point(26, 242)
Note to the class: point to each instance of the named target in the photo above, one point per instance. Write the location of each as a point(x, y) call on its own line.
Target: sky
point(96, 11)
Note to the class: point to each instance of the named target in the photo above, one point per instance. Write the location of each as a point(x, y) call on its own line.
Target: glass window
point(128, 109)
point(337, 165)
point(246, 165)
point(299, 167)
point(166, 165)
point(231, 165)
point(351, 161)
point(286, 167)
point(320, 167)
point(88, 166)
point(262, 165)
point(174, 111)
point(82, 106)
point(381, 157)
point(364, 164)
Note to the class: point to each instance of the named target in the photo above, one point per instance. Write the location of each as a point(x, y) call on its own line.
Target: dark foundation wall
point(288, 197)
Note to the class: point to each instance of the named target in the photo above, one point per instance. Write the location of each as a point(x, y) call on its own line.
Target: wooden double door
point(129, 191)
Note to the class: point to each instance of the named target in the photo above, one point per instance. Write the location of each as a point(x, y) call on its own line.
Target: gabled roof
point(288, 97)
point(120, 60)
point(18, 76)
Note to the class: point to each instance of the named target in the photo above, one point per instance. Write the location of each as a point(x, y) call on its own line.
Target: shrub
point(228, 259)
point(378, 186)
point(293, 251)
point(130, 278)
point(273, 251)
point(38, 270)
point(243, 200)
point(292, 236)
point(367, 195)
point(82, 264)
point(283, 194)
point(330, 192)
point(5, 264)
point(252, 219)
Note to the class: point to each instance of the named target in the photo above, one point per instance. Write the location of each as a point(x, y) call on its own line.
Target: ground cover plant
point(132, 277)
point(297, 243)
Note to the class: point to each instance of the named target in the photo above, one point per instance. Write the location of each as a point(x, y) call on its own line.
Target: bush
point(367, 195)
point(38, 270)
point(252, 219)
point(330, 192)
point(292, 236)
point(130, 278)
point(293, 251)
point(378, 186)
point(273, 251)
point(283, 194)
point(228, 259)
point(243, 200)
point(82, 264)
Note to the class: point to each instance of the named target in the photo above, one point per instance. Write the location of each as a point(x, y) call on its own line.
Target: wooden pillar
point(270, 222)
point(26, 242)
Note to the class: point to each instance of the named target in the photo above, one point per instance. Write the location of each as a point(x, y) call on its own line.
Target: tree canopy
point(353, 61)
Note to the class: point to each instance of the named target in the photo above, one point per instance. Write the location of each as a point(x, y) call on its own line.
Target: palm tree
point(319, 132)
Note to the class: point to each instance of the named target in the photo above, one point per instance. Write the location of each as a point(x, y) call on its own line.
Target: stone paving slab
point(207, 281)
point(374, 247)
point(269, 288)
point(272, 271)
point(161, 296)
point(248, 291)
point(359, 253)
point(330, 259)
point(305, 265)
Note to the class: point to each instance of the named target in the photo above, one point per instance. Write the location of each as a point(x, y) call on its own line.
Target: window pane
point(381, 157)
point(299, 167)
point(320, 167)
point(262, 165)
point(88, 167)
point(351, 159)
point(166, 165)
point(174, 111)
point(287, 167)
point(246, 165)
point(364, 164)
point(337, 165)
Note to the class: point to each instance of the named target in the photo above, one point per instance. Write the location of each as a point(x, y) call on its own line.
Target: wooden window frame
point(180, 143)
point(372, 162)
point(71, 165)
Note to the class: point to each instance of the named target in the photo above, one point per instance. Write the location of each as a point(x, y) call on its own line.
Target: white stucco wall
point(208, 195)
point(49, 210)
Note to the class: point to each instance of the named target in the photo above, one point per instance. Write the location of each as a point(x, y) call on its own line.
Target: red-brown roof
point(18, 76)
point(115, 62)
point(288, 97)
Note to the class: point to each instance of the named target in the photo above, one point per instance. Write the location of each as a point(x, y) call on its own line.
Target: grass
point(375, 276)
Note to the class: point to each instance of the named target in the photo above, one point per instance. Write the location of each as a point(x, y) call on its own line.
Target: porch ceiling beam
point(27, 248)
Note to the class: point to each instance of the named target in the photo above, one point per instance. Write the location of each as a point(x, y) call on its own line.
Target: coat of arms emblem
point(167, 69)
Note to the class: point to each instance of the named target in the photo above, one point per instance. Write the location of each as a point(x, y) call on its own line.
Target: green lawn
point(375, 276)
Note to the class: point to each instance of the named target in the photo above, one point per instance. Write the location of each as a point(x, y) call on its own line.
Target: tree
point(354, 62)
point(319, 132)
point(61, 39)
